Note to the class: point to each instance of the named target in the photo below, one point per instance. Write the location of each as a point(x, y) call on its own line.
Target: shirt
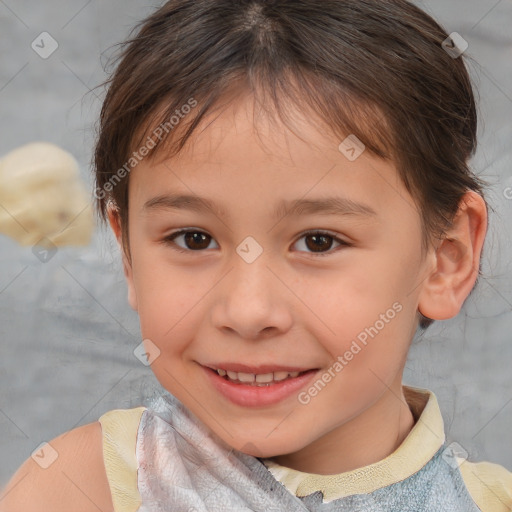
point(163, 455)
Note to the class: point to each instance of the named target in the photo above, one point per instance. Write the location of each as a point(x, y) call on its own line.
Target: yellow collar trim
point(423, 441)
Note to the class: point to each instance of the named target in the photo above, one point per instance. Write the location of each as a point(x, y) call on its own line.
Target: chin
point(265, 449)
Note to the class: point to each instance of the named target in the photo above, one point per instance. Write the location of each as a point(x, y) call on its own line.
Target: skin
point(291, 306)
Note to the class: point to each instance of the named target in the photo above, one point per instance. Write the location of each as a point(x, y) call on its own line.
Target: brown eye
point(320, 243)
point(196, 241)
point(193, 240)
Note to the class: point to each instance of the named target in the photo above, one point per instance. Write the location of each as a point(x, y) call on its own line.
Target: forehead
point(241, 156)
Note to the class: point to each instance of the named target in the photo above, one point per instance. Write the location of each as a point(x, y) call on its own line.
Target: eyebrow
point(297, 207)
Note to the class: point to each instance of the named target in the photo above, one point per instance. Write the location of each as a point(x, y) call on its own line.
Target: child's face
point(222, 303)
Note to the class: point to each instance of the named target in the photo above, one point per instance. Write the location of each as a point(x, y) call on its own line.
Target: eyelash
point(169, 240)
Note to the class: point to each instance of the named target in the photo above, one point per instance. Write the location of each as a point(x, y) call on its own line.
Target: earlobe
point(457, 261)
point(115, 224)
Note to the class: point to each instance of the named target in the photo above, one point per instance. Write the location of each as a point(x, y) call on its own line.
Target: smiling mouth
point(258, 379)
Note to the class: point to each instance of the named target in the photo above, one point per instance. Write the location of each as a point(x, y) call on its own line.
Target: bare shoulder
point(66, 474)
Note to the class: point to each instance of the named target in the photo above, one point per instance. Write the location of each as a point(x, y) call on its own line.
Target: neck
point(364, 440)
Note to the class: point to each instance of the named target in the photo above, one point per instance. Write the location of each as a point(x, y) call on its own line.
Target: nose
point(251, 301)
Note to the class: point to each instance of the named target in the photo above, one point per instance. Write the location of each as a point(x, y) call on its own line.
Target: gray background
point(67, 332)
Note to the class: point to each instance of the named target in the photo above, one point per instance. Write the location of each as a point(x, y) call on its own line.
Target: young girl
point(289, 185)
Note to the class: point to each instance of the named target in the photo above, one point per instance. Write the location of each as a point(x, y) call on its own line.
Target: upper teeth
point(260, 378)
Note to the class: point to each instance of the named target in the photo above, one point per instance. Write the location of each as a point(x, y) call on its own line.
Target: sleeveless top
point(162, 456)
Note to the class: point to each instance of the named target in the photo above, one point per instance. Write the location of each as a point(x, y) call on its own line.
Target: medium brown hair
point(372, 68)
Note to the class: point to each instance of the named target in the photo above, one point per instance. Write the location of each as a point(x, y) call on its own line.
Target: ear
point(456, 261)
point(115, 224)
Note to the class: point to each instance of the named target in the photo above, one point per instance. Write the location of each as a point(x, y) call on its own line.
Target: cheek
point(167, 300)
point(361, 311)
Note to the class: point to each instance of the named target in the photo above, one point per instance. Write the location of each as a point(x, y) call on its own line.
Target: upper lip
point(264, 368)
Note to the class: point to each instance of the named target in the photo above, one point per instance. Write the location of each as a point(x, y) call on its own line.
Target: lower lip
point(247, 395)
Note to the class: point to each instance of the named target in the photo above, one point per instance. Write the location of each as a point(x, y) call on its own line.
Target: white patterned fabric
point(186, 467)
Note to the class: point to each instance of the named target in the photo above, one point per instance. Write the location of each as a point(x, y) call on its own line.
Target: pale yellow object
point(490, 485)
point(119, 428)
point(423, 441)
point(42, 198)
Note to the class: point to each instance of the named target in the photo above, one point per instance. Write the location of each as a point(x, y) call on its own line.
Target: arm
point(76, 481)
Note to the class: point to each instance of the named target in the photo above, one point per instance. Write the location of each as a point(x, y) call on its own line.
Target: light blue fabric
point(186, 467)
